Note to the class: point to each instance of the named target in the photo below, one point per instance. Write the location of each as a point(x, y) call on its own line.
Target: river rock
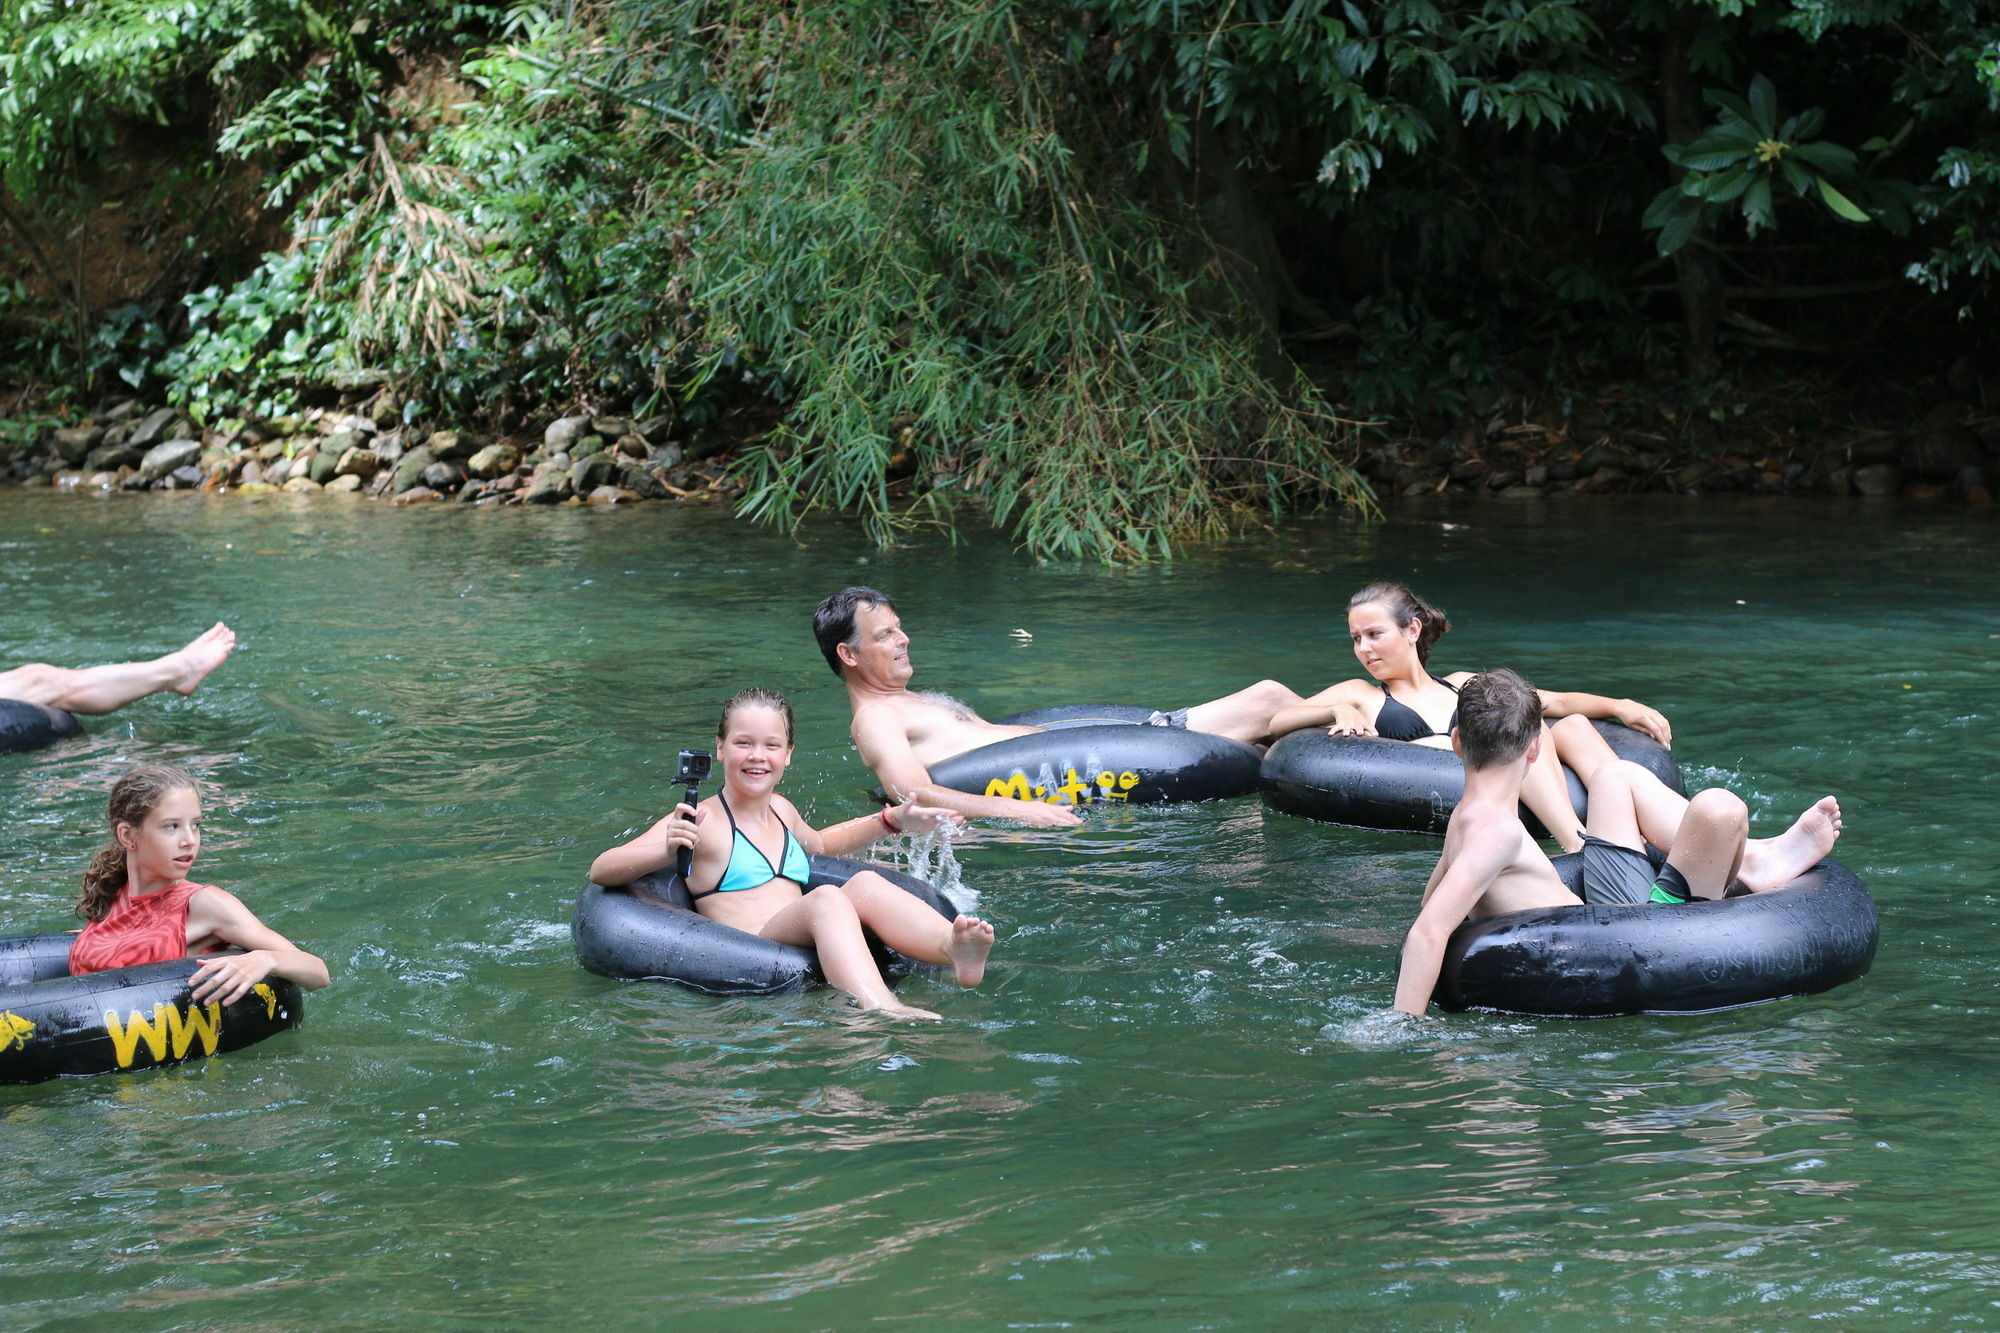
point(1522, 492)
point(111, 457)
point(666, 455)
point(1928, 491)
point(277, 470)
point(1970, 486)
point(1878, 479)
point(658, 429)
point(251, 470)
point(443, 476)
point(564, 432)
point(361, 463)
point(359, 425)
point(345, 483)
point(299, 485)
point(1939, 453)
point(548, 486)
point(493, 461)
point(102, 481)
point(255, 488)
point(610, 427)
point(641, 483)
point(164, 457)
point(67, 480)
point(632, 445)
point(1838, 481)
point(594, 471)
point(325, 464)
point(452, 444)
point(612, 495)
point(75, 443)
point(1872, 448)
point(410, 471)
point(148, 431)
point(416, 495)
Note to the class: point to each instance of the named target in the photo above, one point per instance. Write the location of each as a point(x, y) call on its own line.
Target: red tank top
point(149, 929)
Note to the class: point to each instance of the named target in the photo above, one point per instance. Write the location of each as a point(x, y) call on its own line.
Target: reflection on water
point(1177, 1102)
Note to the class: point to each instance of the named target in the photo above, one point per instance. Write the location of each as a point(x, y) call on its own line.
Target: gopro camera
point(695, 766)
point(694, 769)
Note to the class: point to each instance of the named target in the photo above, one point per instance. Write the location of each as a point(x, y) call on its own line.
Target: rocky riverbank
point(572, 459)
point(1952, 452)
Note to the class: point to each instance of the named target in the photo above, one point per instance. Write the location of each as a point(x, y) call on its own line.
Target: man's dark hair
point(1498, 715)
point(833, 623)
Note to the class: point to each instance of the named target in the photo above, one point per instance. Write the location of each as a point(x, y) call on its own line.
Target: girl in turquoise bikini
point(749, 867)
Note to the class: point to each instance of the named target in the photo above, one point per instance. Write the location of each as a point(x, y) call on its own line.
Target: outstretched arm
point(1448, 899)
point(885, 748)
point(1629, 711)
point(655, 849)
point(229, 978)
point(851, 835)
point(1339, 707)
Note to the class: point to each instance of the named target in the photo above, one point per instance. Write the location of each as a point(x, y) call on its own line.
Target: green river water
point(1175, 1104)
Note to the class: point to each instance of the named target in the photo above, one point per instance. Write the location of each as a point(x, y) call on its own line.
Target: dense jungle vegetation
point(1119, 271)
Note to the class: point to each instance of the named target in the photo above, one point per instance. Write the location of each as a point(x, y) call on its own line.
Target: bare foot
point(904, 1011)
point(971, 941)
point(193, 663)
point(1770, 862)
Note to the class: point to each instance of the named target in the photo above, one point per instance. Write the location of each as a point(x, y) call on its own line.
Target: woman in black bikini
point(1393, 630)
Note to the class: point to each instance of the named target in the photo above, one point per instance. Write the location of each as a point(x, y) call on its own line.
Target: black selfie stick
point(684, 860)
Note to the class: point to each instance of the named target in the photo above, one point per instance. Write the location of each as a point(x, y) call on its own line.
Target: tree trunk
point(1695, 269)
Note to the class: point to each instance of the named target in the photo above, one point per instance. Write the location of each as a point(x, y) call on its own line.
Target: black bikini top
point(1399, 722)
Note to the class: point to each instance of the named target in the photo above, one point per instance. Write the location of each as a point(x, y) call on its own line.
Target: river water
point(1175, 1104)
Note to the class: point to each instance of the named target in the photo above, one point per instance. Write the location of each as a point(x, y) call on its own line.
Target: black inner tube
point(649, 931)
point(26, 726)
point(1588, 961)
point(1103, 754)
point(54, 1025)
point(1368, 782)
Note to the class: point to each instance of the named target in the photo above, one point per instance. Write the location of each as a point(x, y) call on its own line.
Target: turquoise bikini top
point(754, 871)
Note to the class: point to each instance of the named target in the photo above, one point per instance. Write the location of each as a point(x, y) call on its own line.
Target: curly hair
point(132, 799)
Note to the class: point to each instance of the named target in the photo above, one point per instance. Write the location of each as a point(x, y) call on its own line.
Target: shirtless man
point(100, 689)
point(901, 732)
point(1490, 865)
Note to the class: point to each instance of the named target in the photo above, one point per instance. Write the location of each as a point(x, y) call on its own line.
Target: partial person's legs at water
point(912, 929)
point(1245, 715)
point(1707, 836)
point(1545, 791)
point(101, 689)
point(835, 921)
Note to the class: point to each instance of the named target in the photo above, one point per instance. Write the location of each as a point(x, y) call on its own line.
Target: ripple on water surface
point(1177, 1101)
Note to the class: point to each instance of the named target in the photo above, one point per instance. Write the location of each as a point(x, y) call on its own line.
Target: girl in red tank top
point(143, 909)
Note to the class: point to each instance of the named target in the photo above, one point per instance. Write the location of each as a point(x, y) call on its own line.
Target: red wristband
point(887, 822)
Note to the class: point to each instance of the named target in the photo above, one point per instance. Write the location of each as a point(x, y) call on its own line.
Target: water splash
point(929, 857)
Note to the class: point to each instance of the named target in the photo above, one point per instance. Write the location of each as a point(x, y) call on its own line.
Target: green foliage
point(944, 282)
point(254, 343)
point(1748, 154)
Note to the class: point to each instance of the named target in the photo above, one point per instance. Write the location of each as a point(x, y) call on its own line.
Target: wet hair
point(833, 622)
point(1498, 715)
point(756, 694)
point(1404, 606)
point(132, 799)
